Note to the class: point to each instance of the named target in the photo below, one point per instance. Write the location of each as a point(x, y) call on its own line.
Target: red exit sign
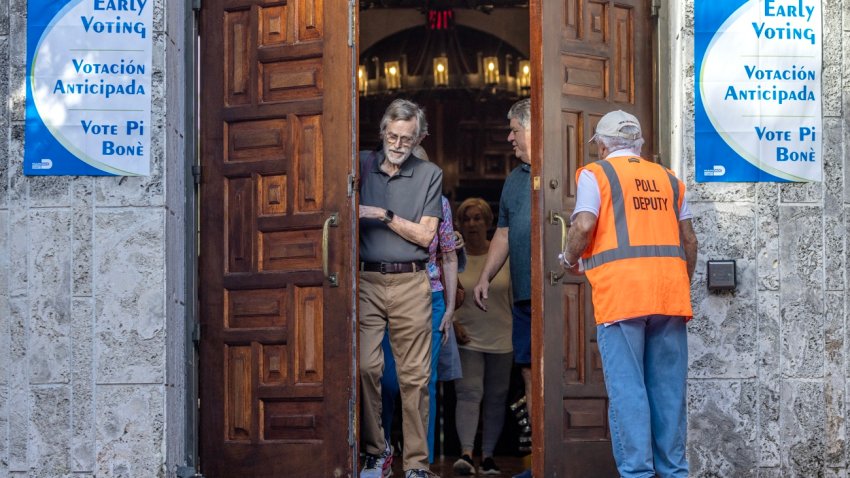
point(440, 19)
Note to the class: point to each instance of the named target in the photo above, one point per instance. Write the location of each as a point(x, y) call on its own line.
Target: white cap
point(612, 123)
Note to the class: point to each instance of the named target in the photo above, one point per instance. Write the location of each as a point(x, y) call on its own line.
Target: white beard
point(399, 161)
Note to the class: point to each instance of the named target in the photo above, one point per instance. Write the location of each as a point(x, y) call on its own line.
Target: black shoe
point(464, 466)
point(489, 467)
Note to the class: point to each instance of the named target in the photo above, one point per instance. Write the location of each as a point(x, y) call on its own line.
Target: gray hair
point(521, 111)
point(404, 110)
point(615, 143)
point(420, 153)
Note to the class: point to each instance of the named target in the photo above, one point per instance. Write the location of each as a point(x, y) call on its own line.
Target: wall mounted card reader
point(721, 275)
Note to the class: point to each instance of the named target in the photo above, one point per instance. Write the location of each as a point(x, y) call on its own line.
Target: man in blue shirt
point(513, 237)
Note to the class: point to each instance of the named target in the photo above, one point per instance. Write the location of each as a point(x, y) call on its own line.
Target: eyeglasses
point(393, 139)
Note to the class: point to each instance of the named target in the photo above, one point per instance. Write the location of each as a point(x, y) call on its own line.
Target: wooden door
point(276, 351)
point(595, 56)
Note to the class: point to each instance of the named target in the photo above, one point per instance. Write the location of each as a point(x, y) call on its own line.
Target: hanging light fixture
point(523, 77)
point(362, 80)
point(441, 71)
point(392, 73)
point(444, 56)
point(491, 70)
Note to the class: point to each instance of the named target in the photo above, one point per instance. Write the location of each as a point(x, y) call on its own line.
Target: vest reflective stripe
point(675, 184)
point(624, 248)
point(632, 252)
point(618, 202)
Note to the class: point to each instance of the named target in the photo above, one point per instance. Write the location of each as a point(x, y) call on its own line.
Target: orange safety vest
point(635, 261)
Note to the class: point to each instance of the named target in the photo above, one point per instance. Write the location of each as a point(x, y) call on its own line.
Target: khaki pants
point(402, 301)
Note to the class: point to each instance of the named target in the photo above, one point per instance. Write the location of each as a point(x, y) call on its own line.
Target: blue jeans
point(645, 362)
point(389, 382)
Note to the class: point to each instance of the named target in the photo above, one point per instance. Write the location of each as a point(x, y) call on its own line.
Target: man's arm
point(497, 254)
point(690, 243)
point(420, 233)
point(581, 230)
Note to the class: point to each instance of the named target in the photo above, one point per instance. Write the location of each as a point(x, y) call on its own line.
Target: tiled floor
point(510, 465)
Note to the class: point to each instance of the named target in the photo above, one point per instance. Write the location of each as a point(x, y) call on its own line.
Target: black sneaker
point(464, 466)
point(489, 467)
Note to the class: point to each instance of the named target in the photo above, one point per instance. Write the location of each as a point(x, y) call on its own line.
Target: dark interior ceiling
point(483, 5)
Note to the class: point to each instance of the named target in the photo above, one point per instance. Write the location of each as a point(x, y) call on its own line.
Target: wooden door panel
point(237, 57)
point(276, 338)
point(600, 62)
point(623, 56)
point(572, 147)
point(585, 76)
point(574, 331)
point(596, 15)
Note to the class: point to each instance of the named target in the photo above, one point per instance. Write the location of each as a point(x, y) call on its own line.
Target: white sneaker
point(419, 474)
point(387, 466)
point(378, 466)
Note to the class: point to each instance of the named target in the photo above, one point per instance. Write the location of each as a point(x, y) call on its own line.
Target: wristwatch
point(388, 217)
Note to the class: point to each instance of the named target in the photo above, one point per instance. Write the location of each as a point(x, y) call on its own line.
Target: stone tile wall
point(82, 298)
point(769, 362)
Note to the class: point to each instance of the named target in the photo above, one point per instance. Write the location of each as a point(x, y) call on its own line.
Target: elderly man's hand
point(576, 268)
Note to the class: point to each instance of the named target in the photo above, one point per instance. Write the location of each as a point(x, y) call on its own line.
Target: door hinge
point(352, 184)
point(655, 8)
point(196, 173)
point(188, 472)
point(196, 5)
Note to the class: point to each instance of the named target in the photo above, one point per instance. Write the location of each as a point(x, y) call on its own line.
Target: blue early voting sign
point(88, 87)
point(758, 90)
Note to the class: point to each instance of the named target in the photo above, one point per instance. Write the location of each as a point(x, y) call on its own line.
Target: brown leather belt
point(392, 267)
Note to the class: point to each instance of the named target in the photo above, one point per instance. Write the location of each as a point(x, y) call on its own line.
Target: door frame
point(181, 403)
point(181, 226)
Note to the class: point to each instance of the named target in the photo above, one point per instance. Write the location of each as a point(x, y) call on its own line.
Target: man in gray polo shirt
point(399, 214)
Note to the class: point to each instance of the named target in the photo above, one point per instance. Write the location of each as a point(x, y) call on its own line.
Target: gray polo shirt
point(412, 193)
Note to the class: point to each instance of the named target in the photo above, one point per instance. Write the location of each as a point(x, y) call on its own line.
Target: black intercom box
point(721, 275)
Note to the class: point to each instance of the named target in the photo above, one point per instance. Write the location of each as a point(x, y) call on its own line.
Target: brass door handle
point(332, 220)
point(555, 218)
